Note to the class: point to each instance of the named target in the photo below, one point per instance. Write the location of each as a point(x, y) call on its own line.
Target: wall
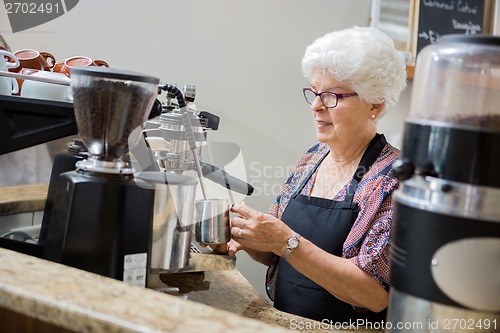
point(243, 57)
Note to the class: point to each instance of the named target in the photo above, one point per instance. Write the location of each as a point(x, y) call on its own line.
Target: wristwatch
point(291, 245)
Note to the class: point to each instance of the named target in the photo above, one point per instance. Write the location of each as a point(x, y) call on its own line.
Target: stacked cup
point(41, 64)
point(8, 86)
point(64, 66)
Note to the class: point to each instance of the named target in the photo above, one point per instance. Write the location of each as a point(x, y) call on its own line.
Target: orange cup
point(64, 66)
point(33, 59)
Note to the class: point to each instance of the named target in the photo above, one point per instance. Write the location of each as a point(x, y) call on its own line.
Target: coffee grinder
point(101, 219)
point(445, 242)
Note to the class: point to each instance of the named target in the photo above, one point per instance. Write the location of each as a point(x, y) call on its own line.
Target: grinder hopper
point(110, 107)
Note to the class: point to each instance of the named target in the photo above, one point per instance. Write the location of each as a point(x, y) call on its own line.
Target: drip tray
point(194, 249)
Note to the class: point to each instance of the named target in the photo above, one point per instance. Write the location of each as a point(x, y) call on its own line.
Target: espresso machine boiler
point(445, 243)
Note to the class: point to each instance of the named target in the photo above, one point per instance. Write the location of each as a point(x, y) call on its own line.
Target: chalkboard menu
point(441, 17)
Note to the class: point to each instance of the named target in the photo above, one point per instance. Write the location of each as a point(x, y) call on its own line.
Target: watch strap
point(289, 249)
point(285, 255)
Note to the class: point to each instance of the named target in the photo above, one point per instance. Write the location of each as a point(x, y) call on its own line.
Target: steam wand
point(192, 146)
point(189, 130)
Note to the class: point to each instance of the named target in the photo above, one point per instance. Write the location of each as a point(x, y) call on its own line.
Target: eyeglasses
point(328, 98)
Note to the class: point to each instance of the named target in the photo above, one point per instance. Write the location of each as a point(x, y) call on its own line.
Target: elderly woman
point(326, 236)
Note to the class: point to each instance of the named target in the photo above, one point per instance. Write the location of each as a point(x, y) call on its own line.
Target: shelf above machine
point(26, 122)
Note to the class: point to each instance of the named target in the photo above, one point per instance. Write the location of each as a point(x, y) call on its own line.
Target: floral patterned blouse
point(367, 244)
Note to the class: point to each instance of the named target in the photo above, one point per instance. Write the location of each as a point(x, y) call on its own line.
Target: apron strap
point(370, 155)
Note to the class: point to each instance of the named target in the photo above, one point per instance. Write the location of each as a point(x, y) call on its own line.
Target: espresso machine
point(445, 242)
point(100, 217)
point(173, 148)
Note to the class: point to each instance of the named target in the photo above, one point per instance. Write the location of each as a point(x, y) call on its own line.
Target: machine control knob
point(403, 169)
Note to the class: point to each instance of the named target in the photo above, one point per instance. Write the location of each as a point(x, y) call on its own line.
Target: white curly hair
point(362, 57)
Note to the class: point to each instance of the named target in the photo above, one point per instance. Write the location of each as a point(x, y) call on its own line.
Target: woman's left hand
point(258, 231)
point(230, 248)
point(217, 248)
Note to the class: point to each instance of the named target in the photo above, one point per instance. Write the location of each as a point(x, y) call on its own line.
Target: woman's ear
point(376, 110)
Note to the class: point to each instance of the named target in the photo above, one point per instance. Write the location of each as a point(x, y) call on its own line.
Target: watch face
point(293, 242)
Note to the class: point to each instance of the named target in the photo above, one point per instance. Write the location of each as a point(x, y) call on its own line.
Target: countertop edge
point(83, 302)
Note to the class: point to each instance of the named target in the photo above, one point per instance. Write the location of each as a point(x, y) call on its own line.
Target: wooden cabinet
point(11, 321)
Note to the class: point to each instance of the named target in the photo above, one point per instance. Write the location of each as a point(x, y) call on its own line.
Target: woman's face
point(343, 123)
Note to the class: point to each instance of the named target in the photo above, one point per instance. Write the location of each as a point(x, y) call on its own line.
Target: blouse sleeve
point(373, 255)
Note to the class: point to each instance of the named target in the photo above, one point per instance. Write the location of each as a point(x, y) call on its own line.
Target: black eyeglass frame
point(337, 96)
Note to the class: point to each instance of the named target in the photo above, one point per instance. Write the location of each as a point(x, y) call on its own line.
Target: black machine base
point(416, 236)
point(101, 224)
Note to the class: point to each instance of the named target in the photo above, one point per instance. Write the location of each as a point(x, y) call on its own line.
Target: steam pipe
point(189, 130)
point(177, 93)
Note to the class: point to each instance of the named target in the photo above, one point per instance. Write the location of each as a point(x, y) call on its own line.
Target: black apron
point(326, 223)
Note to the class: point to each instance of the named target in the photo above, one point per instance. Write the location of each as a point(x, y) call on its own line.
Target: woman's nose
point(317, 104)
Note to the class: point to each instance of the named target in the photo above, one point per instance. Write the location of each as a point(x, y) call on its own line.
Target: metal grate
point(194, 249)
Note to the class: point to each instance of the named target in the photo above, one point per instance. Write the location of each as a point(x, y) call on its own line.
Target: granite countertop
point(211, 296)
point(85, 302)
point(209, 302)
